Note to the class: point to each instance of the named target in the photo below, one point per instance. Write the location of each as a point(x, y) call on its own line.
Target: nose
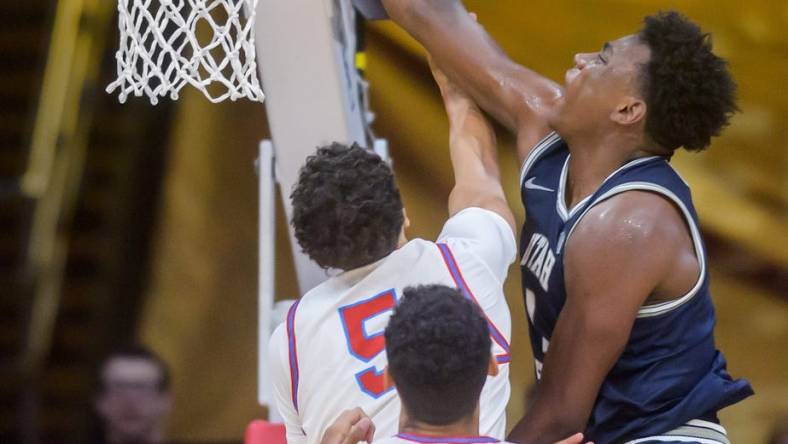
point(581, 60)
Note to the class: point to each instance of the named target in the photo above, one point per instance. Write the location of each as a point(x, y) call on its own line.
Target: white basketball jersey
point(329, 355)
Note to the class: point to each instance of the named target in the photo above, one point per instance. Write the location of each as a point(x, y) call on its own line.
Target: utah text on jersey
point(539, 259)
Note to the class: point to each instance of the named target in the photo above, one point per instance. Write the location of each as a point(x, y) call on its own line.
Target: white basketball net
point(161, 49)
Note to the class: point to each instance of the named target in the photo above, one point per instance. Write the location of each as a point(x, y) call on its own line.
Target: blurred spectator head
point(133, 397)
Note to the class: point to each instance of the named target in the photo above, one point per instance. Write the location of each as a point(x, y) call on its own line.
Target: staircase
point(60, 314)
point(24, 32)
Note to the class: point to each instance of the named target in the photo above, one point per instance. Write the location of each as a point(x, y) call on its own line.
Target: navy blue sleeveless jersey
point(670, 372)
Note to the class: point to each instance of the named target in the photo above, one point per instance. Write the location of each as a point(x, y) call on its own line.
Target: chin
point(554, 116)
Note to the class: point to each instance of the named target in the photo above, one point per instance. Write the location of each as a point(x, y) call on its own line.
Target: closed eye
point(606, 48)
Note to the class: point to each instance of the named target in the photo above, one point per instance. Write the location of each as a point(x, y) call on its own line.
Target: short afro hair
point(347, 210)
point(438, 349)
point(690, 94)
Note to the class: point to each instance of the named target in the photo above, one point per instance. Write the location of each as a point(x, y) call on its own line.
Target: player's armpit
point(516, 96)
point(462, 198)
point(615, 258)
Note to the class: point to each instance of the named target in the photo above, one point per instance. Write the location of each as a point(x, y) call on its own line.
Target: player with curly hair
point(329, 355)
point(438, 350)
point(614, 272)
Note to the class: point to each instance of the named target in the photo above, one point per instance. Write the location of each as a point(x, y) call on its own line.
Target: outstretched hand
point(457, 102)
point(351, 427)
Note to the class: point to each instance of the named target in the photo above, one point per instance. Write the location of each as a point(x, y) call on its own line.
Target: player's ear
point(388, 381)
point(492, 368)
point(629, 111)
point(403, 238)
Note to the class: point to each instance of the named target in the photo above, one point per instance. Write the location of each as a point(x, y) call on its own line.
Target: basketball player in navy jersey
point(614, 269)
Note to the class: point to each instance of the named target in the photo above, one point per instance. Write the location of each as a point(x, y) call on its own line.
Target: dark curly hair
point(438, 349)
point(690, 94)
point(347, 210)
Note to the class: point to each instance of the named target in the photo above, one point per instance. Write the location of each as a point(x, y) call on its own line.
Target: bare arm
point(473, 149)
point(513, 94)
point(638, 235)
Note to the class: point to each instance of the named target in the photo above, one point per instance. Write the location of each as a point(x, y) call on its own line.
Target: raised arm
point(473, 150)
point(513, 94)
point(638, 236)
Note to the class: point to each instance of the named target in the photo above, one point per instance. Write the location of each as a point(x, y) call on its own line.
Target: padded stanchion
point(264, 432)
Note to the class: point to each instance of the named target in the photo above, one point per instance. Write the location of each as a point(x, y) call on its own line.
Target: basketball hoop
point(167, 44)
point(371, 9)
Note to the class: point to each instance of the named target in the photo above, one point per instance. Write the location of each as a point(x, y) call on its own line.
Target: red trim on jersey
point(292, 353)
point(456, 274)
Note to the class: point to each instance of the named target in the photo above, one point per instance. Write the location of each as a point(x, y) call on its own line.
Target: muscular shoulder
point(635, 233)
point(634, 218)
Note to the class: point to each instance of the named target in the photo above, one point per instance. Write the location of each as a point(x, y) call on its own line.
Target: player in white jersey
point(438, 350)
point(329, 354)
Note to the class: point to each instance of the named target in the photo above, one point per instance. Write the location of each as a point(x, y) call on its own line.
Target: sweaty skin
point(599, 112)
point(516, 96)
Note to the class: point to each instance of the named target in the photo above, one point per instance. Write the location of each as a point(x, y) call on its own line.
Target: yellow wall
point(201, 306)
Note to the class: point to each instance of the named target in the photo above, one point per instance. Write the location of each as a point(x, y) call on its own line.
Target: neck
point(402, 239)
point(594, 158)
point(468, 426)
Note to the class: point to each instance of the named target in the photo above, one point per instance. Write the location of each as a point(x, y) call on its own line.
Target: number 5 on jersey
point(365, 347)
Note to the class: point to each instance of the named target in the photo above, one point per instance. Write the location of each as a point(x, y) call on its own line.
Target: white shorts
point(696, 431)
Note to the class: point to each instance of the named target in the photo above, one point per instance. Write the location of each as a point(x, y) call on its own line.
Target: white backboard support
point(266, 263)
point(314, 96)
